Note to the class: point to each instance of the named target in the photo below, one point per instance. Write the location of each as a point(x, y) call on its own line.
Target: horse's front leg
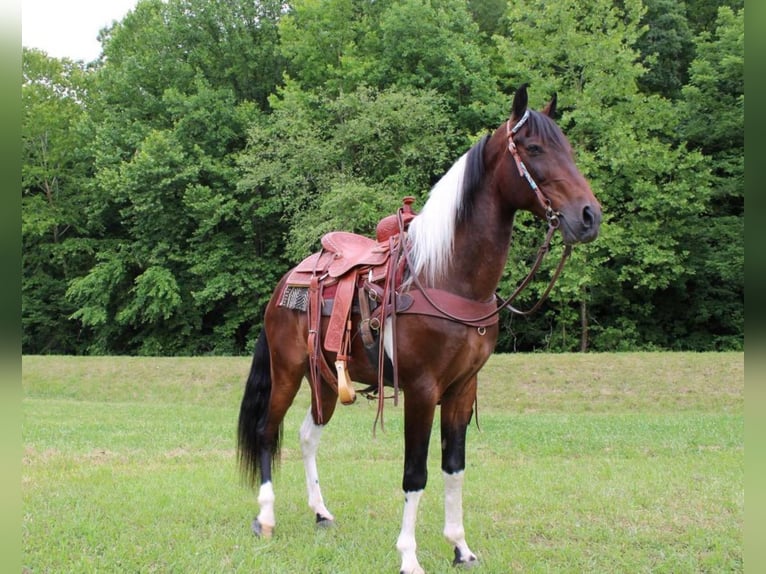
point(418, 418)
point(456, 412)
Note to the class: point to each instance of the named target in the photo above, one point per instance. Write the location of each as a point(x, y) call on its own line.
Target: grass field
point(606, 463)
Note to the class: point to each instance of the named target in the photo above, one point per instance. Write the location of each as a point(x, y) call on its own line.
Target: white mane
point(432, 232)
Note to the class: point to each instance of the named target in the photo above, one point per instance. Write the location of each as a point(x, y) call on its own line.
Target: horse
point(456, 246)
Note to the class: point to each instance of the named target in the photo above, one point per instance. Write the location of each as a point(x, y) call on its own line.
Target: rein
point(553, 223)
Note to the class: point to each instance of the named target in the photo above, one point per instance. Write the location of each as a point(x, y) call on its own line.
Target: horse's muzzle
point(581, 226)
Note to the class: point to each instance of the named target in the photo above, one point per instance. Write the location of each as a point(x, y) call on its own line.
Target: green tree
point(344, 163)
point(436, 45)
point(713, 110)
point(702, 14)
point(336, 46)
point(325, 42)
point(55, 191)
point(667, 48)
point(651, 190)
point(168, 185)
point(181, 264)
point(488, 15)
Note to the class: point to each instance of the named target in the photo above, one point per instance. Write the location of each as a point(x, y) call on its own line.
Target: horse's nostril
point(588, 217)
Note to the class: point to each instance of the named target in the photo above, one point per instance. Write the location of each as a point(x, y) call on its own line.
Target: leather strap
point(344, 297)
point(435, 302)
point(314, 313)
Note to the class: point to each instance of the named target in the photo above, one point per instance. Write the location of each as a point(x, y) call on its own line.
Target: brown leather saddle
point(334, 276)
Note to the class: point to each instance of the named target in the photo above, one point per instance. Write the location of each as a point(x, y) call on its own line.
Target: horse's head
point(540, 155)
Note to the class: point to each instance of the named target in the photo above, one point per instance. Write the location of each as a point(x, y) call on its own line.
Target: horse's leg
point(418, 418)
point(286, 376)
point(456, 412)
point(310, 435)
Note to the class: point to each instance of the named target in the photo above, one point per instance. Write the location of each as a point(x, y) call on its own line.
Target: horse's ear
point(519, 105)
point(550, 109)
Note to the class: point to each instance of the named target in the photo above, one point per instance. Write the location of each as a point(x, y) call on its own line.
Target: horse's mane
point(450, 201)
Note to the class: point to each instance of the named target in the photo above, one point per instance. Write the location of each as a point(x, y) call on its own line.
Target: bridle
point(552, 217)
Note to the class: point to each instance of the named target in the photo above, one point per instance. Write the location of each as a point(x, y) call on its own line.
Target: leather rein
point(551, 216)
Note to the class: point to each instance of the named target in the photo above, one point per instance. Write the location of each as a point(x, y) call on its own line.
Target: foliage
point(714, 119)
point(56, 239)
point(336, 46)
point(667, 48)
point(324, 161)
point(179, 269)
point(168, 185)
point(652, 189)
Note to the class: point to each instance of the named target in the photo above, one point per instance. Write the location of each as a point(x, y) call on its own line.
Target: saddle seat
point(341, 253)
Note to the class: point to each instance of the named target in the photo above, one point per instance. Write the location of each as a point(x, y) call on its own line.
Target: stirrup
point(346, 390)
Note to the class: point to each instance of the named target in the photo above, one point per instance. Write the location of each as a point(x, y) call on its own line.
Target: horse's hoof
point(464, 562)
point(324, 522)
point(262, 530)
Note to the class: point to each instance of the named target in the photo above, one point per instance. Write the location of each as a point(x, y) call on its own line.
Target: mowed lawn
point(630, 462)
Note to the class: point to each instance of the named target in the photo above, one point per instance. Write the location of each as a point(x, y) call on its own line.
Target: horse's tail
point(253, 415)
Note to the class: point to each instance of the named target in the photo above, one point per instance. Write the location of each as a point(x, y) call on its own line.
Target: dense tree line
point(169, 184)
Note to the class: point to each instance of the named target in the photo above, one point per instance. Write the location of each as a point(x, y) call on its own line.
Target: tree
point(334, 47)
point(702, 14)
point(650, 189)
point(713, 109)
point(55, 190)
point(168, 185)
point(359, 155)
point(181, 266)
point(666, 47)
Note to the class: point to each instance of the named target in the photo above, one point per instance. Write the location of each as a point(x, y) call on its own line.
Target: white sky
point(68, 28)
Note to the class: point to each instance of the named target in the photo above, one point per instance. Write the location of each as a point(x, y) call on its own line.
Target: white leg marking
point(406, 544)
point(310, 434)
point(453, 516)
point(266, 501)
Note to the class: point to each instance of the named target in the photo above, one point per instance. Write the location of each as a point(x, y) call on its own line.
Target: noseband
point(551, 215)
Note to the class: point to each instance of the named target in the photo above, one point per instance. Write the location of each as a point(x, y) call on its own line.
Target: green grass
point(583, 463)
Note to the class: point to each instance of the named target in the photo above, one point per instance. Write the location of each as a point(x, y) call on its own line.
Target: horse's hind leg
point(310, 434)
point(456, 412)
point(286, 369)
point(283, 391)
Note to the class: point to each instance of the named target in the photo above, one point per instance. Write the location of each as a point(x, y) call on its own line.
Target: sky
point(69, 28)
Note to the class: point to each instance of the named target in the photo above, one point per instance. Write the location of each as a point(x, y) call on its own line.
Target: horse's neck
point(481, 249)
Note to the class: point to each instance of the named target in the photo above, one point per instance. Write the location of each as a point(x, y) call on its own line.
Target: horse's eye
point(534, 149)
